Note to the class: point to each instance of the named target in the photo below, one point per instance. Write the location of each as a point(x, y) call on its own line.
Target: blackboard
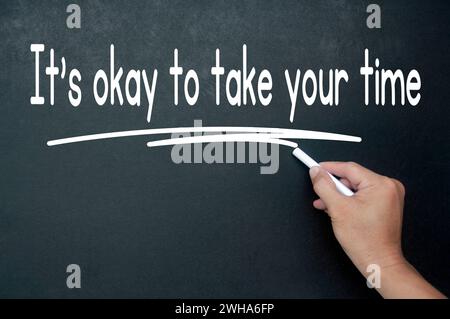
point(141, 226)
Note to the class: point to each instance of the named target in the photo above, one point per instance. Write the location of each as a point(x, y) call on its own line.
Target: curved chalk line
point(259, 138)
point(288, 133)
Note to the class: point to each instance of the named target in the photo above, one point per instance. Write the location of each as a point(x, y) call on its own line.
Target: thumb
point(324, 186)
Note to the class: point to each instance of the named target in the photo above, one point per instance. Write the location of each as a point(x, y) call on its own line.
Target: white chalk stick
point(308, 161)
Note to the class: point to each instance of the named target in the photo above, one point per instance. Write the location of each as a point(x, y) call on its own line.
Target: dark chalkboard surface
point(141, 226)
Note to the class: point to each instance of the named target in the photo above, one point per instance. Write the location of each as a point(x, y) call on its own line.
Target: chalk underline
point(219, 138)
point(272, 135)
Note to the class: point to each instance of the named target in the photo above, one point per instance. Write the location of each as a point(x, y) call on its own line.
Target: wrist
point(386, 259)
point(401, 280)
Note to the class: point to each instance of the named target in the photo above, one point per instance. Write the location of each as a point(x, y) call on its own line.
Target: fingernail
point(314, 171)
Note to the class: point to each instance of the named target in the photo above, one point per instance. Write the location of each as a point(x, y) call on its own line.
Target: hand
point(368, 225)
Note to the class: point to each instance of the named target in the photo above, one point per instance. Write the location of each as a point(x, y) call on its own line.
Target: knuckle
point(400, 187)
point(353, 166)
point(388, 184)
point(393, 187)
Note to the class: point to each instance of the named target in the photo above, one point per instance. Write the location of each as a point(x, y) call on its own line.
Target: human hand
point(368, 225)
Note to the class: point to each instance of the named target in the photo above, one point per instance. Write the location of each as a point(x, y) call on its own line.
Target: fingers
point(319, 204)
point(358, 176)
point(324, 187)
point(346, 182)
